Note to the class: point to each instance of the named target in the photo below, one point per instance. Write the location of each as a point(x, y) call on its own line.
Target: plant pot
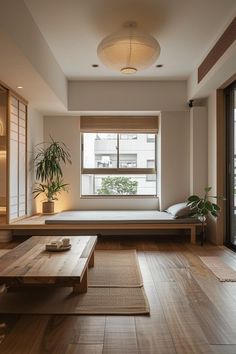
point(48, 207)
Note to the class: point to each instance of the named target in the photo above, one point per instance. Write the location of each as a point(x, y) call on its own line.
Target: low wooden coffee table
point(30, 264)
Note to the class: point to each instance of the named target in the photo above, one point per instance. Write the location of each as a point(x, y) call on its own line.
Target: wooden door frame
point(12, 93)
point(228, 152)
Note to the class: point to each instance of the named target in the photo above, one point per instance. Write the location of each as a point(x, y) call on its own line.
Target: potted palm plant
point(48, 163)
point(201, 207)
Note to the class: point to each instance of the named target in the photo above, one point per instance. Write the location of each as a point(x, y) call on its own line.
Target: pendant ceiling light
point(129, 50)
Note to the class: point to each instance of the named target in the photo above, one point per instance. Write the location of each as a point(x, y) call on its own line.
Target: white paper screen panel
point(17, 160)
point(13, 172)
point(22, 162)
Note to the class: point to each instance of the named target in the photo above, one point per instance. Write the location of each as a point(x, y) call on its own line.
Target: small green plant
point(201, 207)
point(48, 162)
point(51, 190)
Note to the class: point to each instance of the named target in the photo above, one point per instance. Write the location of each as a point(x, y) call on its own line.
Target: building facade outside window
point(150, 138)
point(128, 136)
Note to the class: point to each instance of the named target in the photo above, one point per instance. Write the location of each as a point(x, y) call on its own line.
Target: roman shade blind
point(117, 124)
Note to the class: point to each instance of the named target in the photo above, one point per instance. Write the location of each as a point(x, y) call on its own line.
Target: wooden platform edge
point(104, 226)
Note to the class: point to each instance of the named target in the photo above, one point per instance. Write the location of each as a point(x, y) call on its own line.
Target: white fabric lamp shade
point(128, 51)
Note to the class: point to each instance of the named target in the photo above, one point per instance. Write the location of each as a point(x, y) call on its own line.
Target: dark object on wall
point(190, 103)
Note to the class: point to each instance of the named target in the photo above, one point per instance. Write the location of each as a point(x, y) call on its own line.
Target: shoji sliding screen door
point(17, 158)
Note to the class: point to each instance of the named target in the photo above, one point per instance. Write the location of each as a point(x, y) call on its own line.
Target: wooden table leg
point(203, 236)
point(193, 234)
point(91, 261)
point(3, 288)
point(82, 287)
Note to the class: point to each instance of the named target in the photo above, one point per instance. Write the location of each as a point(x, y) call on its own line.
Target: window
point(114, 155)
point(112, 165)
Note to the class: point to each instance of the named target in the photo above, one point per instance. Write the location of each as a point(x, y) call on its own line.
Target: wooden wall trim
point(8, 155)
point(223, 43)
point(220, 153)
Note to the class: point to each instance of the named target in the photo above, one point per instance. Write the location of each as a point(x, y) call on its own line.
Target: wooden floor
point(191, 311)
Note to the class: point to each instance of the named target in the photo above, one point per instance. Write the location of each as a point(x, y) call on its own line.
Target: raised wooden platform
point(36, 224)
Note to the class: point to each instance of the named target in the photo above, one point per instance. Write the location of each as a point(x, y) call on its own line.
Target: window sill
point(119, 197)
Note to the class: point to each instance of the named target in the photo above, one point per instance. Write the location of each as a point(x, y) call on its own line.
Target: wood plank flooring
point(191, 311)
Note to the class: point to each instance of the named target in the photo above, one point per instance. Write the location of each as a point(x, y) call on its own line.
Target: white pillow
point(179, 210)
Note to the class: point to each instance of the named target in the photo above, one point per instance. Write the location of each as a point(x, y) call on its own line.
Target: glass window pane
point(150, 138)
point(134, 153)
point(128, 160)
point(151, 164)
point(117, 185)
point(100, 150)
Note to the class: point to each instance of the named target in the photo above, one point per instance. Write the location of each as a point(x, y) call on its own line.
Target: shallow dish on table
point(60, 249)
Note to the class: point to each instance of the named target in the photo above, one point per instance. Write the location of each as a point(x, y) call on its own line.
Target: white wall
point(16, 20)
point(212, 141)
point(127, 96)
point(174, 181)
point(66, 129)
point(35, 136)
point(99, 97)
point(219, 73)
point(212, 158)
point(198, 150)
point(173, 176)
point(219, 76)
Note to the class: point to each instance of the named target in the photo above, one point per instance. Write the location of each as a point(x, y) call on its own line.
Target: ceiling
point(185, 29)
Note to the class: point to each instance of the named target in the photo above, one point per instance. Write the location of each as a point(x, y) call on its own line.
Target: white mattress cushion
point(113, 216)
